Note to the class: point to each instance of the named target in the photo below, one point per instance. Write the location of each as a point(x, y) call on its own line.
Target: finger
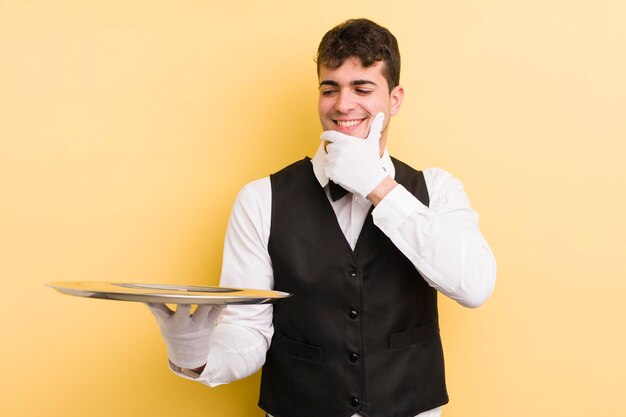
point(376, 129)
point(342, 147)
point(329, 166)
point(334, 148)
point(215, 313)
point(160, 310)
point(203, 311)
point(182, 312)
point(333, 136)
point(209, 312)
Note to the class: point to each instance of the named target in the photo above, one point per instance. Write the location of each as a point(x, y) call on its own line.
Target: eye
point(327, 93)
point(362, 91)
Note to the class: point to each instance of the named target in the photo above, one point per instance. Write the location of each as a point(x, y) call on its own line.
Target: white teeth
point(348, 123)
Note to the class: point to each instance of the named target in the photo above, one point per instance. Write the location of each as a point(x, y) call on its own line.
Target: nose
point(345, 102)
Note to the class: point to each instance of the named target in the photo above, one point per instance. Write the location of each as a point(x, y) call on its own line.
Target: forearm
point(442, 241)
point(381, 191)
point(236, 352)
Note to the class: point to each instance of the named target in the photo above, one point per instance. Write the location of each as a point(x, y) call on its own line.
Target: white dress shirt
point(442, 240)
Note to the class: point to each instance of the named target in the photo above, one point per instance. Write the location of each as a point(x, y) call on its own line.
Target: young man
point(363, 241)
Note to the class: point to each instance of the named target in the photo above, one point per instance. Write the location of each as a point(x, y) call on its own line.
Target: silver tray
point(166, 293)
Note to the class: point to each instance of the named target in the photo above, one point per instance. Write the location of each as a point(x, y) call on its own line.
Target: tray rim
point(140, 292)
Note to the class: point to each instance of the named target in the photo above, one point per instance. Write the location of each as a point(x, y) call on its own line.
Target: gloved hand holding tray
point(167, 293)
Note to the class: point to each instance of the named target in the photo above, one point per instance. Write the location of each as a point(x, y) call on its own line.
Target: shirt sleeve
point(243, 334)
point(442, 240)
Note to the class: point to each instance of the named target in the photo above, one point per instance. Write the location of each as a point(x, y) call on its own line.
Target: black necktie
point(336, 190)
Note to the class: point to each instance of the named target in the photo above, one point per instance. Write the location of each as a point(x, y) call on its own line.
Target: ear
point(396, 96)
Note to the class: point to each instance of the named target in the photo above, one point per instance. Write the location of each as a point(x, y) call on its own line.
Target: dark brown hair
point(362, 39)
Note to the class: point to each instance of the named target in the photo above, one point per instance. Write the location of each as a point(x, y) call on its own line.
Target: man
point(361, 335)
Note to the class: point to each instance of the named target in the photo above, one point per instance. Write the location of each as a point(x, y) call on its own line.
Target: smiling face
point(351, 95)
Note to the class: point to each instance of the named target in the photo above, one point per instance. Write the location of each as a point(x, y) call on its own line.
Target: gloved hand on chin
point(354, 163)
point(187, 336)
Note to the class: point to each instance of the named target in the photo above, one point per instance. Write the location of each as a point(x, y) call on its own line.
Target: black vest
point(361, 333)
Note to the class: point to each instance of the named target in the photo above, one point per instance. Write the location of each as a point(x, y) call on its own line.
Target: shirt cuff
point(397, 205)
point(184, 372)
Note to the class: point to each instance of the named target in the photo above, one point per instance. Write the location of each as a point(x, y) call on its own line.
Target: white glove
point(187, 336)
point(354, 163)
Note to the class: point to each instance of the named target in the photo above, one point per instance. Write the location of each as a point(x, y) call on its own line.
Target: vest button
point(354, 357)
point(353, 314)
point(354, 402)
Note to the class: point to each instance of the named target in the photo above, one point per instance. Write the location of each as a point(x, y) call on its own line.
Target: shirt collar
point(319, 162)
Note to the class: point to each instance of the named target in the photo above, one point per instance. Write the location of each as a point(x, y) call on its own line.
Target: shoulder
point(440, 179)
point(442, 186)
point(445, 188)
point(437, 179)
point(293, 168)
point(257, 193)
point(262, 187)
point(256, 187)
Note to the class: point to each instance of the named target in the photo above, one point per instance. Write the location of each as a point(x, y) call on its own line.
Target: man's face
point(351, 96)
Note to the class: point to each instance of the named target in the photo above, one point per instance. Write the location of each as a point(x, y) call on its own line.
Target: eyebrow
point(353, 83)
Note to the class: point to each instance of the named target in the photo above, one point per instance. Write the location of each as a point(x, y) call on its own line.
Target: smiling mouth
point(348, 123)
